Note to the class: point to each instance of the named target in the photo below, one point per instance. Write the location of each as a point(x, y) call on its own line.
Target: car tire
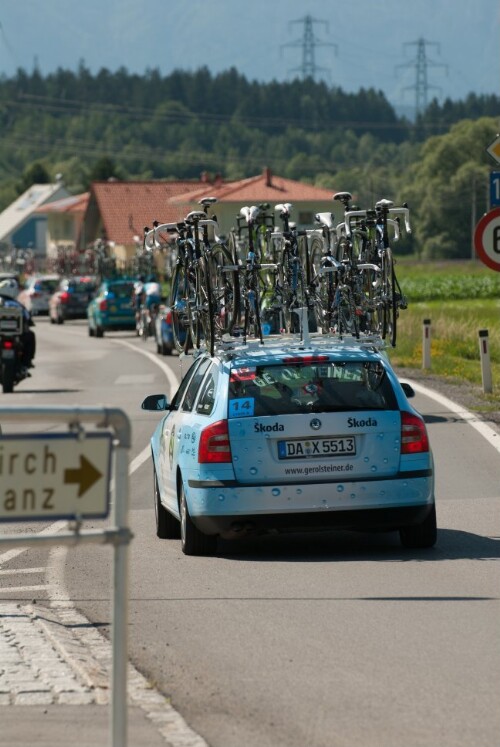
point(167, 526)
point(166, 349)
point(193, 542)
point(420, 535)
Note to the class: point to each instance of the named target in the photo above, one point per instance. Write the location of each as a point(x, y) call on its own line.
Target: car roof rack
point(231, 345)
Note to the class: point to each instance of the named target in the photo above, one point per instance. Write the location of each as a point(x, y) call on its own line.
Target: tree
point(36, 173)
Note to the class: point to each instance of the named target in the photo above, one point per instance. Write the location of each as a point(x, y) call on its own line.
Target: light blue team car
point(287, 437)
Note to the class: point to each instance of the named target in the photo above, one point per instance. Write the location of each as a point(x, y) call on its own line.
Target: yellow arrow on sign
point(85, 476)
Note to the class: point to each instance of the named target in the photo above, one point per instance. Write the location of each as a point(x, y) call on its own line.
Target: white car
point(37, 291)
point(284, 437)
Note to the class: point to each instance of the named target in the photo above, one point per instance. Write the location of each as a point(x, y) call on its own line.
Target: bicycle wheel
point(252, 323)
point(346, 321)
point(319, 284)
point(389, 298)
point(225, 285)
point(200, 308)
point(179, 307)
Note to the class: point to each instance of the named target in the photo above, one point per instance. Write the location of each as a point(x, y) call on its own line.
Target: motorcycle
point(11, 348)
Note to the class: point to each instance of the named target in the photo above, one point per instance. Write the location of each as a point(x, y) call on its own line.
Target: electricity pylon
point(309, 42)
point(421, 63)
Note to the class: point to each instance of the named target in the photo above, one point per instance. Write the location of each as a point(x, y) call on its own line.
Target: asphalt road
point(324, 640)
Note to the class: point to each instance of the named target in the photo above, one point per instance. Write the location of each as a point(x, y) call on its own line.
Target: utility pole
point(309, 42)
point(421, 63)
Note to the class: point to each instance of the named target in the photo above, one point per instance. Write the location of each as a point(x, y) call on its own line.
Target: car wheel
point(167, 526)
point(166, 349)
point(420, 535)
point(193, 542)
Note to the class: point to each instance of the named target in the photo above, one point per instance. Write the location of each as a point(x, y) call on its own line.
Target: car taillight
point(64, 297)
point(7, 344)
point(214, 444)
point(414, 439)
point(103, 305)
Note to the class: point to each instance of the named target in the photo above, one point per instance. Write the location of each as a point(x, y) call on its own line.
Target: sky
point(363, 44)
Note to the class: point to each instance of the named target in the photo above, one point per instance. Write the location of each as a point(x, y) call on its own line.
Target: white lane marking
point(171, 377)
point(20, 589)
point(51, 529)
point(469, 417)
point(11, 571)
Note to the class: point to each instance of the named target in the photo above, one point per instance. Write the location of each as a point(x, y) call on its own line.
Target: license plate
point(317, 447)
point(8, 354)
point(8, 325)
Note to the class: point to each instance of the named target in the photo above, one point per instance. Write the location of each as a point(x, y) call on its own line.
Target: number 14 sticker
point(242, 407)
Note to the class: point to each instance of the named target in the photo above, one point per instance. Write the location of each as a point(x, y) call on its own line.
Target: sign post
point(44, 476)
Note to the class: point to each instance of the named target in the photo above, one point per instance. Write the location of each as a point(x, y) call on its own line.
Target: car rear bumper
point(375, 519)
point(382, 503)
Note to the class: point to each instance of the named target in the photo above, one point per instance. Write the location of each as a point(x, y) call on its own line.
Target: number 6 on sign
point(487, 239)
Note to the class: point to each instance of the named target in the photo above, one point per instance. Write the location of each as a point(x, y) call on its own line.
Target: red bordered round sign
point(487, 239)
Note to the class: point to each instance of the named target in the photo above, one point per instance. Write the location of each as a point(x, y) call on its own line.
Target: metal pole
point(484, 354)
point(426, 344)
point(120, 607)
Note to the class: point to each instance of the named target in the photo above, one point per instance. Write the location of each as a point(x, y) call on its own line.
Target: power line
point(421, 63)
point(309, 42)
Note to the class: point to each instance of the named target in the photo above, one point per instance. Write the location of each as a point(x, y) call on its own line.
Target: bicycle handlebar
point(405, 212)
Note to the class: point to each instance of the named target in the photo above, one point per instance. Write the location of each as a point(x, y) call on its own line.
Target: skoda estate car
point(111, 308)
point(281, 437)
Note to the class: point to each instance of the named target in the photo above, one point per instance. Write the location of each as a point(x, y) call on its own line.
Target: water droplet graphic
point(276, 491)
point(222, 498)
point(366, 459)
point(340, 488)
point(373, 468)
point(299, 491)
point(253, 470)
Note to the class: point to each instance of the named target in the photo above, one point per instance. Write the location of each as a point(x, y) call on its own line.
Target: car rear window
point(49, 286)
point(328, 386)
point(122, 290)
point(81, 286)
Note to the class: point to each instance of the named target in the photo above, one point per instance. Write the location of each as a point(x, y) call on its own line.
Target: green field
point(460, 298)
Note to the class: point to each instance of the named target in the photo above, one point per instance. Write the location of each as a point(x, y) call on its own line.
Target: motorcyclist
point(28, 339)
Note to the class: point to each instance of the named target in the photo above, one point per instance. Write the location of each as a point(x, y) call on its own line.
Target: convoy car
point(71, 299)
point(37, 291)
point(111, 308)
point(287, 436)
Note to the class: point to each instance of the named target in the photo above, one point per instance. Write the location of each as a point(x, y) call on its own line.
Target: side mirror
point(155, 402)
point(408, 389)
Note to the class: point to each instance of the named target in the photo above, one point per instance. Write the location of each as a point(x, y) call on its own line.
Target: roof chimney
point(268, 176)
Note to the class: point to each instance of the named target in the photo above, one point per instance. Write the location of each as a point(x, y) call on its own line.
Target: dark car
point(71, 299)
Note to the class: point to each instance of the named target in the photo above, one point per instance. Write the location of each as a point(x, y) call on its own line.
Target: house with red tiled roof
point(119, 210)
point(266, 187)
point(64, 222)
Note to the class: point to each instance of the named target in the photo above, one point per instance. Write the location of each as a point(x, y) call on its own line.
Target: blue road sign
point(494, 189)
